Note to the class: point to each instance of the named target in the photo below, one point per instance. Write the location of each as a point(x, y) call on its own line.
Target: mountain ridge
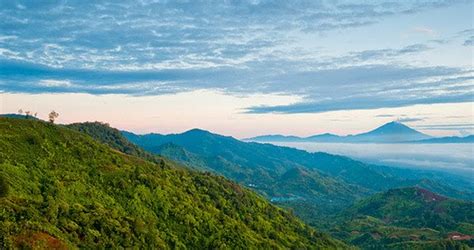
point(391, 132)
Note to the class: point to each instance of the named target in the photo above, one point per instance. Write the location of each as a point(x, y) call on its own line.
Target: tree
point(20, 111)
point(52, 116)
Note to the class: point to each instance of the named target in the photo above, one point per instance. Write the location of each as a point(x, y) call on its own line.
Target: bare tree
point(20, 111)
point(52, 116)
point(27, 113)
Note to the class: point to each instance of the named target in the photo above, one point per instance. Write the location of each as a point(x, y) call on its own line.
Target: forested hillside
point(407, 218)
point(314, 185)
point(63, 189)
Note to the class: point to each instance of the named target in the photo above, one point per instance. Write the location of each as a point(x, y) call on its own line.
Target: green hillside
point(102, 132)
point(314, 185)
point(62, 189)
point(405, 217)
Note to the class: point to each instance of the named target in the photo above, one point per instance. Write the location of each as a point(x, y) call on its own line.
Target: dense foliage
point(4, 187)
point(314, 185)
point(113, 138)
point(406, 217)
point(68, 190)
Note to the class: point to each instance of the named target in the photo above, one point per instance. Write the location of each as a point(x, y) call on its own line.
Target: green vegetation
point(384, 221)
point(67, 190)
point(4, 187)
point(102, 132)
point(314, 185)
point(406, 218)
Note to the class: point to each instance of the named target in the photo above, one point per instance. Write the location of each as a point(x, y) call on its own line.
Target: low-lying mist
point(455, 158)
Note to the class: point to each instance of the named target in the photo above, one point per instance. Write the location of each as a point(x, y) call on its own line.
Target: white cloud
point(55, 83)
point(425, 30)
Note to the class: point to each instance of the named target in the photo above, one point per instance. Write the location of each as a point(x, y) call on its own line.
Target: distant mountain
point(406, 218)
point(392, 132)
point(62, 189)
point(327, 137)
point(313, 184)
point(450, 139)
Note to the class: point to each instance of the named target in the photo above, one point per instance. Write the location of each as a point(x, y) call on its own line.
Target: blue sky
point(280, 60)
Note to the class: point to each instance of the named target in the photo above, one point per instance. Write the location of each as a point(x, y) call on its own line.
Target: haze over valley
point(393, 144)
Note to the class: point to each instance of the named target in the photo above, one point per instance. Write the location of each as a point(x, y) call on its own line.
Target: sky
point(242, 68)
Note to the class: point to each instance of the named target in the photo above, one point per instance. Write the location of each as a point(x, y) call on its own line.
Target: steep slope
point(66, 190)
point(406, 216)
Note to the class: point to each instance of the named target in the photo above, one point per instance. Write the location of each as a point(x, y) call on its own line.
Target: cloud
point(357, 104)
point(464, 132)
point(407, 119)
point(469, 41)
point(54, 83)
point(424, 30)
point(367, 55)
point(455, 127)
point(372, 87)
point(322, 90)
point(401, 117)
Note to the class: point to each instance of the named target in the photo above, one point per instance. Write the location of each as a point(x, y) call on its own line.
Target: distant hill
point(407, 218)
point(392, 132)
point(324, 137)
point(61, 189)
point(449, 139)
